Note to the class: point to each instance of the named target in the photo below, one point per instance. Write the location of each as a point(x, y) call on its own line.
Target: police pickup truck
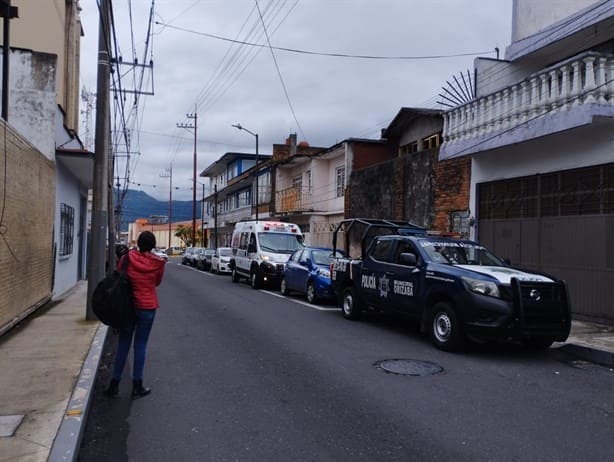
point(457, 289)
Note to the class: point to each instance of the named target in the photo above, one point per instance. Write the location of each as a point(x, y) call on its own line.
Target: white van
point(260, 250)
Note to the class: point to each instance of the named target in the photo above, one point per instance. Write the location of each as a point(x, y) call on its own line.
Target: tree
point(184, 233)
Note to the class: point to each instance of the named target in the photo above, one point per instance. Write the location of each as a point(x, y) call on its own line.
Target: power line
point(281, 79)
point(334, 55)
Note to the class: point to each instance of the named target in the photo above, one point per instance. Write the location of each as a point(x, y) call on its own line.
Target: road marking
point(300, 302)
point(194, 269)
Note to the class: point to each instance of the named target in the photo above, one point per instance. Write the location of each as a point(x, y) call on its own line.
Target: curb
point(68, 439)
point(605, 358)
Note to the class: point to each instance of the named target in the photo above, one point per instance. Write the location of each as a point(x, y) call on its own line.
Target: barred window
point(340, 181)
point(67, 227)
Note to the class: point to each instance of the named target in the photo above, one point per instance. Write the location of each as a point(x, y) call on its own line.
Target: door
point(292, 271)
point(376, 276)
point(406, 280)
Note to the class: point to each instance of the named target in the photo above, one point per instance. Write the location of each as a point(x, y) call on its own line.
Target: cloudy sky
point(300, 89)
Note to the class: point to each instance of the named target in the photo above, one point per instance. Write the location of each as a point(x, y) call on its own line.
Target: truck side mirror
point(408, 259)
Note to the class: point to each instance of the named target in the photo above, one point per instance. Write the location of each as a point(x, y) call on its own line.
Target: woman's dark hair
point(146, 241)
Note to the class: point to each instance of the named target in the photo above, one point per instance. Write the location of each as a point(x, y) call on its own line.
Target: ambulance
point(260, 250)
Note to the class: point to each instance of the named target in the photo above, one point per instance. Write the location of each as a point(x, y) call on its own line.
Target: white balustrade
point(587, 78)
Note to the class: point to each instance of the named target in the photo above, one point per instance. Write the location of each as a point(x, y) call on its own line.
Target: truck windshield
point(460, 253)
point(280, 242)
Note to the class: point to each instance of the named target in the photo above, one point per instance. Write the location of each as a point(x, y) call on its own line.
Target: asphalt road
point(245, 375)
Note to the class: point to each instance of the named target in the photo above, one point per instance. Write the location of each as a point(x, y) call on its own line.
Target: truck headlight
point(482, 287)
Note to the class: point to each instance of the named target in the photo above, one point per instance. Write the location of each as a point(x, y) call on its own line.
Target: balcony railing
point(585, 79)
point(293, 200)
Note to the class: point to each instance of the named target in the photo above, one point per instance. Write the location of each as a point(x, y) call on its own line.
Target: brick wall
point(452, 180)
point(414, 187)
point(27, 192)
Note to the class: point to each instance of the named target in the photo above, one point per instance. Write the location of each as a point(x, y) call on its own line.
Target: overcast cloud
point(333, 98)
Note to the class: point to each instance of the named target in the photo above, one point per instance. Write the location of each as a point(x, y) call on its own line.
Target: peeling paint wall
point(32, 104)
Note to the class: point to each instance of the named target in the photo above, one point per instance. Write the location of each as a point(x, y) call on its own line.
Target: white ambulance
point(260, 250)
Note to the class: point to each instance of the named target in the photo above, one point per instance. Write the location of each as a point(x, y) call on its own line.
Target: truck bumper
point(537, 310)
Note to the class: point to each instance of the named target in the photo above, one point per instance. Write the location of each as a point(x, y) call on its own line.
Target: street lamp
point(238, 126)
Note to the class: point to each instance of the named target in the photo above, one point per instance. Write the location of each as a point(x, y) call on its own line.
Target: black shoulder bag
point(112, 299)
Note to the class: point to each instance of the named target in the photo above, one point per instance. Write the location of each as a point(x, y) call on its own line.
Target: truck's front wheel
point(351, 305)
point(254, 279)
point(446, 330)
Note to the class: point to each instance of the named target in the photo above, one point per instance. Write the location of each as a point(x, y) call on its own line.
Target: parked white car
point(160, 253)
point(220, 262)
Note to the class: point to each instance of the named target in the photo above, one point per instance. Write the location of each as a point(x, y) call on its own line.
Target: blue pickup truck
point(457, 289)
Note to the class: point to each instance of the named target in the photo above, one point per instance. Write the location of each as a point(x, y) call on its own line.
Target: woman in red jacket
point(145, 271)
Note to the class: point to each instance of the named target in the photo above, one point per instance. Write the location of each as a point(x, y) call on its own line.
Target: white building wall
point(530, 16)
point(68, 192)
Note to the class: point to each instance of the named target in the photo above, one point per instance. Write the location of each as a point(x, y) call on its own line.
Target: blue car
point(308, 272)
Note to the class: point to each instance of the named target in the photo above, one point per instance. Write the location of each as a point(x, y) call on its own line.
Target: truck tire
point(311, 292)
point(255, 280)
point(235, 275)
point(351, 306)
point(445, 327)
point(538, 343)
point(283, 287)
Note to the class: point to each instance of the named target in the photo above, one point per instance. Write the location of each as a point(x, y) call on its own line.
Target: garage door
point(561, 223)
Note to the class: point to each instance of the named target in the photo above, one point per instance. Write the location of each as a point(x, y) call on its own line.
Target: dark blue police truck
point(456, 288)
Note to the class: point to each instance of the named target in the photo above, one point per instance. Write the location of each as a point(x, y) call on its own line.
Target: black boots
point(139, 390)
point(113, 389)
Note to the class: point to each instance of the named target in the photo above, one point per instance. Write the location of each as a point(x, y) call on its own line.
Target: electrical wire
point(333, 55)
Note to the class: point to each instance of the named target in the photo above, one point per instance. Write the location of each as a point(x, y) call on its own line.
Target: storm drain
point(411, 367)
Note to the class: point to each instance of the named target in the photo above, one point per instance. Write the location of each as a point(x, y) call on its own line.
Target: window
point(409, 148)
point(382, 250)
point(67, 227)
point(459, 223)
point(308, 179)
point(297, 183)
point(232, 170)
point(431, 142)
point(340, 181)
point(264, 188)
point(243, 199)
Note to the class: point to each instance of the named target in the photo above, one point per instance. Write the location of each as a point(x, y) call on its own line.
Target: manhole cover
point(412, 367)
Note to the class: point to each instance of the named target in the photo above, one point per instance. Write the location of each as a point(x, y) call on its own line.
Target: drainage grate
point(411, 367)
point(9, 424)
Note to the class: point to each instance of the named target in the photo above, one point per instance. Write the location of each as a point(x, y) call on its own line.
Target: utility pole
point(96, 262)
point(193, 126)
point(169, 174)
point(215, 214)
point(202, 219)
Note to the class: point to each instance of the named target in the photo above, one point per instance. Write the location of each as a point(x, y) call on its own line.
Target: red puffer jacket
point(145, 271)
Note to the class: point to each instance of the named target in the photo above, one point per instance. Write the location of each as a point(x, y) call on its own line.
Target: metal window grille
point(67, 228)
point(340, 181)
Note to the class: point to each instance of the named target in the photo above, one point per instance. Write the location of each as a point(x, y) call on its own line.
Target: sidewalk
point(48, 367)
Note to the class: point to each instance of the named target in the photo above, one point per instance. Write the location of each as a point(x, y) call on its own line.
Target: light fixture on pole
point(238, 126)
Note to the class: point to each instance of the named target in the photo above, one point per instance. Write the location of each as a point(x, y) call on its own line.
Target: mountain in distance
point(139, 204)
